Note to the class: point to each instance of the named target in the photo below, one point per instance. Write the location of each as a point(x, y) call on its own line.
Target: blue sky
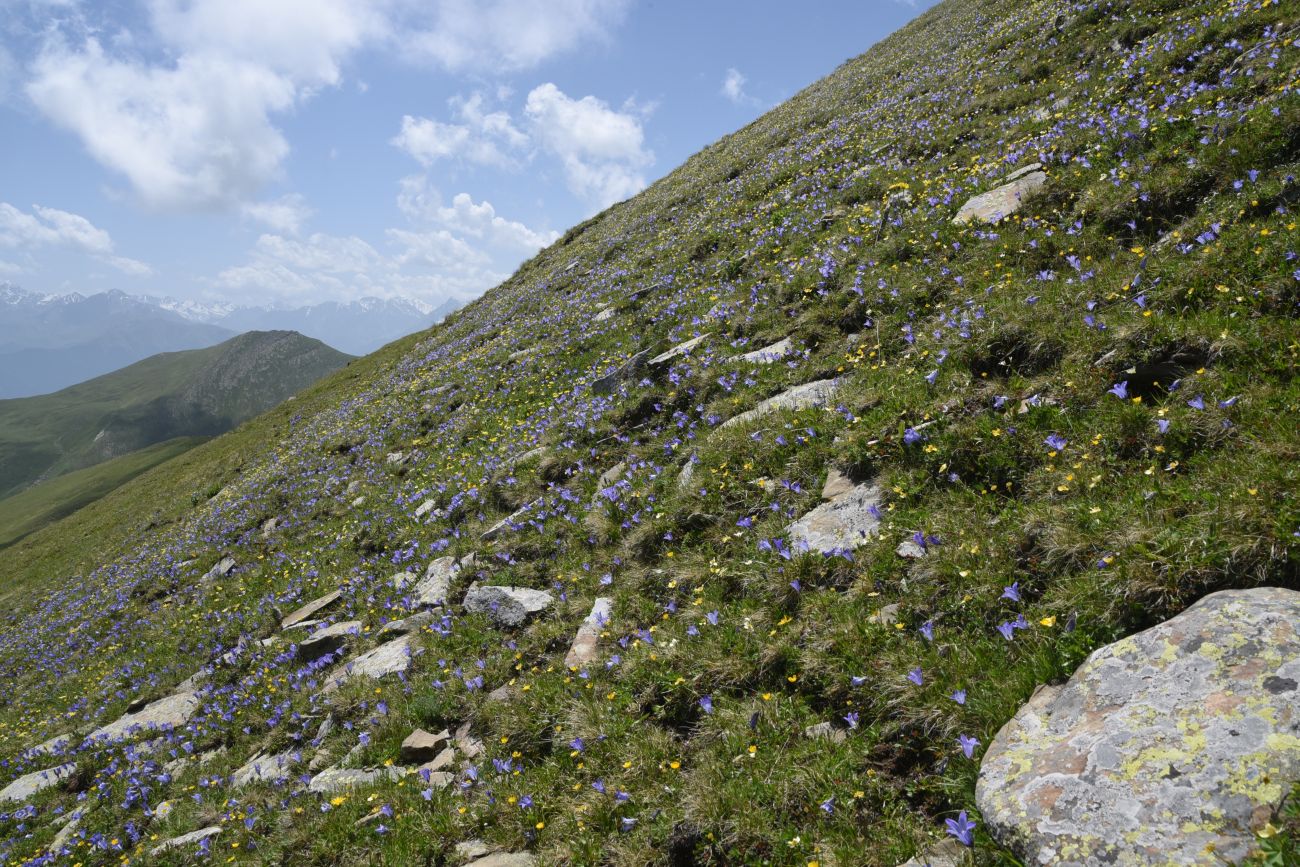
point(293, 151)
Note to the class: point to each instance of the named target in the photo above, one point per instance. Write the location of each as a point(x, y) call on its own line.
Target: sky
point(288, 152)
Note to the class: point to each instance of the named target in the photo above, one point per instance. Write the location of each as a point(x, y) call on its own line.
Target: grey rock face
point(265, 769)
point(837, 484)
point(327, 640)
point(1001, 201)
point(507, 606)
point(505, 523)
point(407, 625)
point(193, 838)
point(341, 779)
point(804, 396)
point(583, 650)
point(769, 354)
point(421, 746)
point(1171, 746)
point(436, 583)
point(610, 382)
point(390, 658)
point(677, 351)
point(37, 781)
point(221, 569)
point(947, 853)
point(505, 859)
point(843, 523)
point(311, 608)
point(168, 712)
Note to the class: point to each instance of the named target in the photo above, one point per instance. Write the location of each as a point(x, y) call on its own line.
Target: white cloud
point(51, 227)
point(482, 137)
point(733, 87)
point(507, 35)
point(420, 202)
point(602, 150)
point(285, 214)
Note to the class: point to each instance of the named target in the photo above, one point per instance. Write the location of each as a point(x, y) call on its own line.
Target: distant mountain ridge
point(195, 393)
point(49, 342)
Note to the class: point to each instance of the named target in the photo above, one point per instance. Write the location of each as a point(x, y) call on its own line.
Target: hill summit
point(744, 524)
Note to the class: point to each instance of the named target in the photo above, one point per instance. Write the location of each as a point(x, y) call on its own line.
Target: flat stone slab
point(167, 712)
point(842, 524)
point(38, 781)
point(265, 769)
point(947, 853)
point(837, 484)
point(342, 779)
point(513, 519)
point(1171, 746)
point(390, 658)
point(507, 606)
point(436, 583)
point(610, 382)
point(1001, 201)
point(311, 608)
point(56, 745)
point(193, 838)
point(505, 859)
point(328, 640)
point(421, 746)
point(583, 650)
point(678, 351)
point(769, 354)
point(804, 396)
point(407, 625)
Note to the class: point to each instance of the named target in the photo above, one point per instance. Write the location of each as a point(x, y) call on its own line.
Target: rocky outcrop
point(193, 838)
point(1171, 746)
point(1002, 201)
point(390, 658)
point(165, 713)
point(507, 606)
point(804, 396)
point(436, 583)
point(38, 781)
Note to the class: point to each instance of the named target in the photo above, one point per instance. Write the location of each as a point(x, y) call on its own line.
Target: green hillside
point(1057, 428)
point(199, 392)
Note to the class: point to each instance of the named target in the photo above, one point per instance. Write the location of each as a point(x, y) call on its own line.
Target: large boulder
point(311, 609)
point(507, 606)
point(804, 396)
point(1171, 746)
point(393, 657)
point(165, 713)
point(436, 584)
point(37, 781)
point(193, 838)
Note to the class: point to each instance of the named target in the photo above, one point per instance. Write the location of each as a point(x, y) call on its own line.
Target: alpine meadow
point(911, 474)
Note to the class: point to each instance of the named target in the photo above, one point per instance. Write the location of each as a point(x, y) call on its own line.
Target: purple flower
point(915, 676)
point(1225, 404)
point(1007, 629)
point(968, 744)
point(706, 702)
point(857, 681)
point(1197, 402)
point(927, 630)
point(959, 696)
point(1012, 592)
point(1120, 390)
point(828, 805)
point(911, 437)
point(961, 828)
point(712, 617)
point(1163, 425)
point(1056, 442)
point(852, 719)
point(932, 376)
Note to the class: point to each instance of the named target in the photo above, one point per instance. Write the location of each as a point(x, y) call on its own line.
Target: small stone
point(604, 314)
point(425, 508)
point(37, 781)
point(162, 811)
point(342, 779)
point(512, 520)
point(677, 351)
point(1024, 170)
point(501, 693)
point(390, 658)
point(472, 849)
point(469, 746)
point(193, 838)
point(394, 458)
point(583, 650)
point(311, 608)
point(888, 615)
point(908, 549)
point(610, 382)
point(505, 859)
point(265, 769)
point(408, 625)
point(827, 731)
point(947, 853)
point(420, 746)
point(436, 583)
point(440, 761)
point(221, 569)
point(268, 527)
point(402, 580)
point(507, 606)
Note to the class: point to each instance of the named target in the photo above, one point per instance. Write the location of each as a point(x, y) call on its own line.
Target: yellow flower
point(1049, 622)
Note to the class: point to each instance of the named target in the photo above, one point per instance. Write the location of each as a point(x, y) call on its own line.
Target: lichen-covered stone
point(507, 606)
point(268, 768)
point(842, 524)
point(438, 575)
point(804, 396)
point(390, 658)
point(193, 838)
point(1171, 746)
point(1001, 201)
point(37, 781)
point(342, 779)
point(311, 608)
point(769, 354)
point(165, 713)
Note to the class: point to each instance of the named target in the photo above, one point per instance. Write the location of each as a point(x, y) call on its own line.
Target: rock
point(888, 615)
point(677, 351)
point(408, 625)
point(509, 521)
point(425, 508)
point(947, 853)
point(825, 730)
point(327, 640)
point(311, 608)
point(472, 849)
point(809, 394)
point(358, 502)
point(436, 583)
point(1024, 170)
point(908, 549)
point(341, 779)
point(610, 476)
point(469, 746)
point(501, 693)
point(1001, 201)
point(604, 314)
point(390, 658)
point(507, 606)
point(56, 745)
point(402, 580)
point(37, 781)
point(420, 746)
point(524, 457)
point(165, 713)
point(505, 859)
point(842, 524)
point(583, 650)
point(1171, 746)
point(265, 769)
point(769, 354)
point(440, 761)
point(395, 458)
point(353, 487)
point(268, 527)
point(72, 821)
point(610, 382)
point(837, 484)
point(190, 839)
point(319, 761)
point(221, 569)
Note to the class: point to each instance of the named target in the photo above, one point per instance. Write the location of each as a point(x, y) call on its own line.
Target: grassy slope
point(197, 392)
point(776, 230)
point(44, 504)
